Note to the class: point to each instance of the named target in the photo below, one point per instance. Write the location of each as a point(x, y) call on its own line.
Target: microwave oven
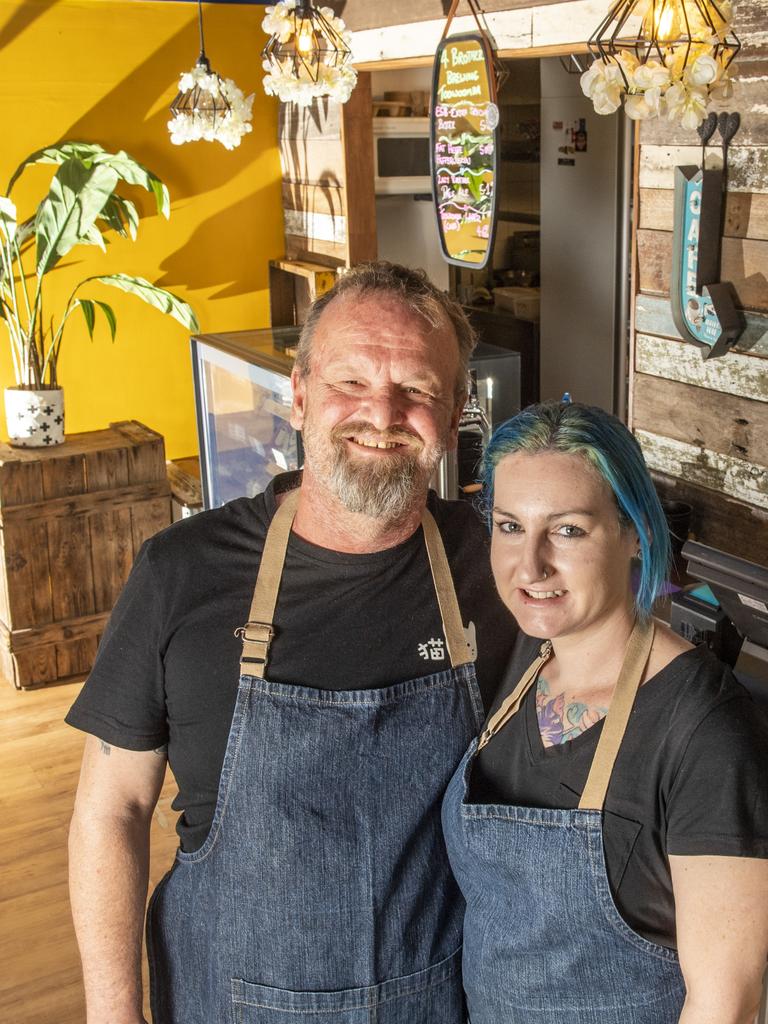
point(401, 155)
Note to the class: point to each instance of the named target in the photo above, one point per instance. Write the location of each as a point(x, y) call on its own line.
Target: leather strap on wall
point(476, 11)
point(615, 724)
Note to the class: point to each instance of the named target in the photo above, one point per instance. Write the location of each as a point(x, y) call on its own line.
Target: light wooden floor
point(39, 766)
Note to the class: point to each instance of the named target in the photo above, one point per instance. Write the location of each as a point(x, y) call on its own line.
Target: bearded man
point(313, 735)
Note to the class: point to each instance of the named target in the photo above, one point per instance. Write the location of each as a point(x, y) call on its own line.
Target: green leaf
point(58, 154)
point(89, 314)
point(121, 215)
point(161, 299)
point(7, 217)
point(65, 217)
point(91, 153)
point(109, 313)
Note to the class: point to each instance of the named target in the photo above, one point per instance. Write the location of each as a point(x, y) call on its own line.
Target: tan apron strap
point(258, 631)
point(511, 704)
point(615, 724)
point(458, 648)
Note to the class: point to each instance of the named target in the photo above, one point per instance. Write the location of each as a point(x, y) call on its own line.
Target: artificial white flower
point(643, 104)
point(603, 83)
point(686, 105)
point(651, 75)
point(704, 70)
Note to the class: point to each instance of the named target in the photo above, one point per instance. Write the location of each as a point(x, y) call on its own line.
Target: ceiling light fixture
point(208, 106)
point(662, 58)
point(307, 54)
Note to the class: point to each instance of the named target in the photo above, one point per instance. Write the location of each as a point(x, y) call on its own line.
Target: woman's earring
point(639, 555)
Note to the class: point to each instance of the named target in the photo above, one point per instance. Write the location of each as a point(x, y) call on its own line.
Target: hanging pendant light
point(662, 58)
point(208, 106)
point(307, 54)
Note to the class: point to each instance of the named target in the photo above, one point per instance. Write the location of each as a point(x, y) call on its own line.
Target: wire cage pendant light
point(669, 31)
point(663, 58)
point(307, 54)
point(208, 106)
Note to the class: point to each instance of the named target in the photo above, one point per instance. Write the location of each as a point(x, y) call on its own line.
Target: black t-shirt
point(167, 666)
point(691, 777)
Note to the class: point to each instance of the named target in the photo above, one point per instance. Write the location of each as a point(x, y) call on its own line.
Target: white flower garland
point(668, 89)
point(229, 127)
point(336, 82)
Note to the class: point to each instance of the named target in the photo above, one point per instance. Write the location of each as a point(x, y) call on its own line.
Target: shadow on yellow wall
point(106, 72)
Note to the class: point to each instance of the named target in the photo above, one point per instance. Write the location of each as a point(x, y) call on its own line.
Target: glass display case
point(243, 401)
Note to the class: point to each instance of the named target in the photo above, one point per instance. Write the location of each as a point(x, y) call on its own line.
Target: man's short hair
point(411, 287)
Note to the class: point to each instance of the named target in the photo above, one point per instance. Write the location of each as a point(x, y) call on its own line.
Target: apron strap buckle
point(256, 637)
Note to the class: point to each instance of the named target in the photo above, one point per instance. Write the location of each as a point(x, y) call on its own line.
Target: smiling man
point(311, 749)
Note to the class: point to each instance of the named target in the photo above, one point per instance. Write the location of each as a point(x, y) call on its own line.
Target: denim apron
point(543, 939)
point(322, 892)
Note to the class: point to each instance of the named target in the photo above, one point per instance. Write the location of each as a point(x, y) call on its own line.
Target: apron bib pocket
point(411, 999)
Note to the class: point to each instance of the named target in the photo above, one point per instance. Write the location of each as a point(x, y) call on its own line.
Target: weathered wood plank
point(34, 667)
point(147, 517)
point(322, 199)
point(744, 262)
point(371, 14)
point(318, 226)
point(747, 166)
point(653, 315)
point(739, 479)
point(111, 562)
point(55, 632)
point(315, 162)
point(20, 481)
point(320, 120)
point(746, 213)
point(750, 98)
point(28, 574)
point(71, 571)
point(75, 657)
point(718, 520)
point(708, 419)
point(750, 21)
point(300, 247)
point(733, 373)
point(146, 452)
point(63, 476)
point(107, 470)
point(63, 508)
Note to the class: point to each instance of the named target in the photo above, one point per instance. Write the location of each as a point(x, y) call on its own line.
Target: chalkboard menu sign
point(464, 143)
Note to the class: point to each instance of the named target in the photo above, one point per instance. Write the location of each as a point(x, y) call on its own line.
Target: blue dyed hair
point(607, 445)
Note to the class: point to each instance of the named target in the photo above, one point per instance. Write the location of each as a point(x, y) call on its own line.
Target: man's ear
point(453, 431)
point(299, 404)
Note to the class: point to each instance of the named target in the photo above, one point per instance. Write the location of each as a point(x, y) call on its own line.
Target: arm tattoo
point(105, 748)
point(560, 720)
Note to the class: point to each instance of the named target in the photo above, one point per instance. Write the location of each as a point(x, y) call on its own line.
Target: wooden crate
point(72, 518)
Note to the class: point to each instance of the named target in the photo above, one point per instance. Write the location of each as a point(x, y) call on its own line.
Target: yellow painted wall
point(105, 71)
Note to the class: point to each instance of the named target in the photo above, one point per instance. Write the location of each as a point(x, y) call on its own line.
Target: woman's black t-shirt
point(691, 777)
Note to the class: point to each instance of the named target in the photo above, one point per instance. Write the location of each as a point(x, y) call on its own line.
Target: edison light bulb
point(304, 39)
point(661, 23)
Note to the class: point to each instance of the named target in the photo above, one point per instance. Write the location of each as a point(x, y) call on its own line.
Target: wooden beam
point(733, 373)
point(726, 424)
point(748, 166)
point(746, 214)
point(734, 477)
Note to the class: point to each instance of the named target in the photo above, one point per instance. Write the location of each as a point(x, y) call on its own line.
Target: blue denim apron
point(323, 892)
point(543, 940)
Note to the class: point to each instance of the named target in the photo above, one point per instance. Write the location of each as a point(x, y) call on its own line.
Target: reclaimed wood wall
point(703, 424)
point(326, 153)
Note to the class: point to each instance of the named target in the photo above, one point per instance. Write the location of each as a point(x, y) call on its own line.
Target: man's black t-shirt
point(167, 666)
point(691, 778)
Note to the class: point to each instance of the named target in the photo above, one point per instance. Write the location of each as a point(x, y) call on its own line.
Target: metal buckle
point(242, 632)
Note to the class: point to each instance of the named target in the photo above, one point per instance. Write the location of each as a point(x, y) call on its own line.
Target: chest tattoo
point(561, 720)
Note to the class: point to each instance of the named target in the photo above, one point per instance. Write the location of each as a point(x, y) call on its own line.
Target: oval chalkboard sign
point(464, 144)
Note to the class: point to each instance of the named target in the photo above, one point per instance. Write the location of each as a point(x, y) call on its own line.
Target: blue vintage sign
point(703, 307)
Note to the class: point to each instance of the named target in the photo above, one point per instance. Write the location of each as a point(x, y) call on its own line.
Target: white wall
point(578, 245)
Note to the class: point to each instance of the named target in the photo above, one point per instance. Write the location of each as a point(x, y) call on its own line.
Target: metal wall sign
point(464, 146)
point(703, 307)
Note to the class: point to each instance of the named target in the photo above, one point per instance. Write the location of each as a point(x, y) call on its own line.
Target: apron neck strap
point(259, 630)
point(615, 724)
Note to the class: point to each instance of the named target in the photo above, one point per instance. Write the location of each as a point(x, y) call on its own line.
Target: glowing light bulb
point(304, 39)
point(661, 24)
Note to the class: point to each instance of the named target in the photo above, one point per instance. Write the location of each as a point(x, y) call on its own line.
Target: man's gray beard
point(383, 489)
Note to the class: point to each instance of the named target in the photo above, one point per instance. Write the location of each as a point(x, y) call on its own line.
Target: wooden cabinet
point(72, 518)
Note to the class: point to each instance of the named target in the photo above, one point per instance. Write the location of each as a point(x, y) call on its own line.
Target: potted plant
point(82, 203)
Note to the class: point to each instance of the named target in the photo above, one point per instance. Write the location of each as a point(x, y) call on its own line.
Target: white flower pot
point(35, 419)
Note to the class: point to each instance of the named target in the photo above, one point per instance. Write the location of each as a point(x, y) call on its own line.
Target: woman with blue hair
point(609, 828)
